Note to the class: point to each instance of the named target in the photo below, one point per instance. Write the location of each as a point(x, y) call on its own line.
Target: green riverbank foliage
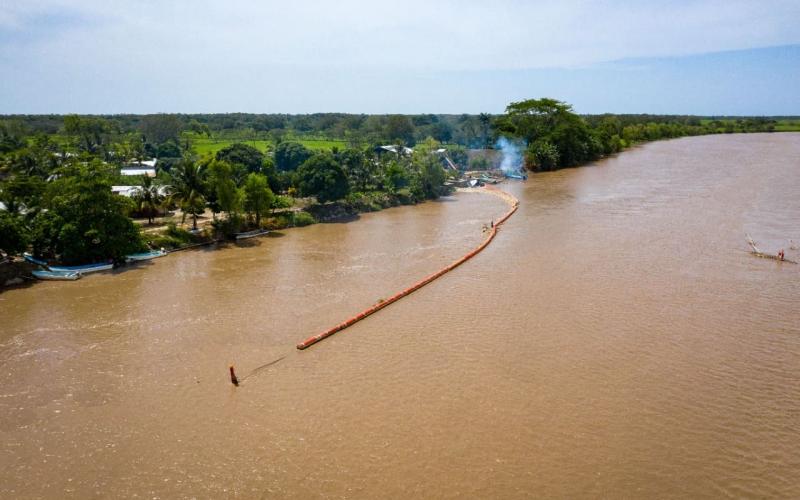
point(241, 170)
point(555, 137)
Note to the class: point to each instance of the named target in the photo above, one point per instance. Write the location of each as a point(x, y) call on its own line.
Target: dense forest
point(472, 131)
point(272, 170)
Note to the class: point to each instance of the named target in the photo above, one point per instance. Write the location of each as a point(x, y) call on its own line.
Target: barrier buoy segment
point(394, 298)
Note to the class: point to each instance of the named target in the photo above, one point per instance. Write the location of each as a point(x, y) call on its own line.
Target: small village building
point(144, 163)
point(393, 148)
point(140, 167)
point(126, 191)
point(130, 191)
point(150, 172)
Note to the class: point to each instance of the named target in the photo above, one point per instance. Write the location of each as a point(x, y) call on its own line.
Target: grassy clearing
point(203, 146)
point(781, 125)
point(788, 126)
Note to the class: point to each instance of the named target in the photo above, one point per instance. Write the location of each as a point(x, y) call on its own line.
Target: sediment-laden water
point(614, 340)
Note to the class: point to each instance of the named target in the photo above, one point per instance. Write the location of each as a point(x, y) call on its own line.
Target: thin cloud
point(418, 34)
point(196, 54)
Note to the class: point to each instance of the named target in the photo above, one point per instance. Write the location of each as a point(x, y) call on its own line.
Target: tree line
point(468, 130)
point(555, 137)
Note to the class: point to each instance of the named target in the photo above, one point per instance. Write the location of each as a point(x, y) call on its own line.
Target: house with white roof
point(393, 148)
point(140, 167)
point(130, 191)
point(150, 172)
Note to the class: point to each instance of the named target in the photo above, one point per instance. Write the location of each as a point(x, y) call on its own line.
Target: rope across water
point(512, 201)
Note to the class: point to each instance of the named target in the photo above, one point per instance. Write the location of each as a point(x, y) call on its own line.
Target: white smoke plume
point(512, 156)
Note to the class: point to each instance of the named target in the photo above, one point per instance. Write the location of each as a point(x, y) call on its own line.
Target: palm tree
point(148, 196)
point(188, 189)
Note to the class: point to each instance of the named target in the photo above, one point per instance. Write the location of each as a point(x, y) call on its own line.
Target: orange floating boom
point(380, 305)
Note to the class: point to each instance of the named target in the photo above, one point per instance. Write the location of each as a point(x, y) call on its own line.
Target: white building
point(130, 191)
point(150, 172)
point(143, 163)
point(140, 167)
point(394, 148)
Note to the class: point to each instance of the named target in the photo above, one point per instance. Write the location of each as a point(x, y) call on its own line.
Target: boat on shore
point(137, 257)
point(56, 275)
point(251, 234)
point(517, 175)
point(87, 268)
point(33, 260)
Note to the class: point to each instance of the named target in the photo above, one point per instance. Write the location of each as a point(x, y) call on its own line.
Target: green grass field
point(787, 126)
point(782, 125)
point(204, 146)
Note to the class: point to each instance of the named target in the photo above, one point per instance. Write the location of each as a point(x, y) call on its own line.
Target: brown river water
point(615, 340)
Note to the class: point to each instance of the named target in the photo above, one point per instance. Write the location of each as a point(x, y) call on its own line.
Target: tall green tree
point(242, 154)
point(84, 220)
point(399, 129)
point(545, 124)
point(12, 135)
point(199, 128)
point(290, 155)
point(36, 159)
point(13, 234)
point(395, 176)
point(485, 120)
point(428, 166)
point(360, 170)
point(222, 188)
point(22, 193)
point(92, 133)
point(160, 128)
point(188, 189)
point(149, 197)
point(168, 149)
point(258, 197)
point(322, 176)
point(542, 155)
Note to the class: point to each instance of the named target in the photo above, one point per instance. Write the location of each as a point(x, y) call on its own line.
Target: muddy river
point(615, 340)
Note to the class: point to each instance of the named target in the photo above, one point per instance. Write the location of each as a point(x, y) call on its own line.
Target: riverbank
point(174, 238)
point(15, 272)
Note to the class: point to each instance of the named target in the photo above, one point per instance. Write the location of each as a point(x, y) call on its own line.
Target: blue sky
point(707, 57)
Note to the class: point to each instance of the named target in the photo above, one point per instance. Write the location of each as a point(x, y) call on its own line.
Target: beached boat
point(136, 257)
point(30, 258)
point(251, 234)
point(87, 268)
point(516, 175)
point(56, 275)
